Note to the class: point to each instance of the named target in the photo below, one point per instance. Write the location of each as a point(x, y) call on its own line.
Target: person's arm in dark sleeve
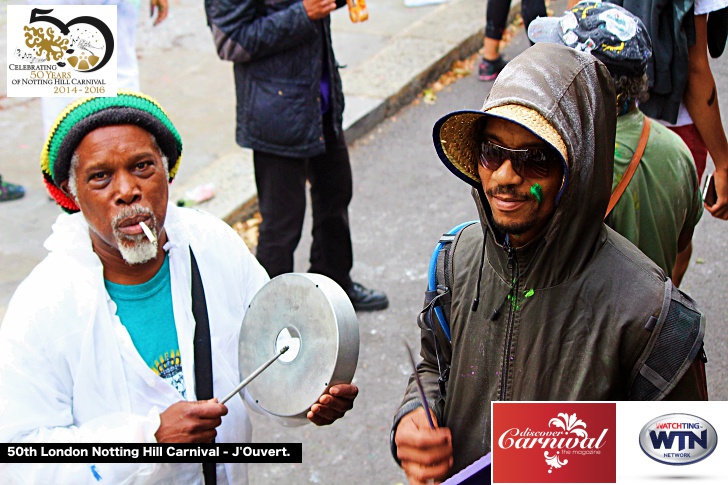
point(243, 33)
point(429, 375)
point(423, 453)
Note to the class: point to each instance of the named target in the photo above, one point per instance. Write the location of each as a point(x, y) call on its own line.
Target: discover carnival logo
point(62, 50)
point(573, 442)
point(678, 439)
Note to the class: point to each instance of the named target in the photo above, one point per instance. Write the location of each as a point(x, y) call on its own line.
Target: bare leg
point(491, 49)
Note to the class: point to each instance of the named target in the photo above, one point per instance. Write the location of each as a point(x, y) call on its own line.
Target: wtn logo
point(665, 439)
point(688, 439)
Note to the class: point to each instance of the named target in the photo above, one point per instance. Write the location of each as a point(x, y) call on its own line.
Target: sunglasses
point(526, 162)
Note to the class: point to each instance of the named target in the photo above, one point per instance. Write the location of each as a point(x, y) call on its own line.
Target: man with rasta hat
point(660, 204)
point(545, 301)
point(97, 343)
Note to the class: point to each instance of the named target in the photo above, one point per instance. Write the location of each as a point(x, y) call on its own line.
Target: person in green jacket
point(661, 205)
point(547, 303)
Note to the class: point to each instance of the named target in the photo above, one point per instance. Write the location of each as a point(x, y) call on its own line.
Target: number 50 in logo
point(85, 42)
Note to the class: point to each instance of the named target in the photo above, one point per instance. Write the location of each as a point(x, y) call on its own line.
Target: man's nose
point(127, 188)
point(505, 175)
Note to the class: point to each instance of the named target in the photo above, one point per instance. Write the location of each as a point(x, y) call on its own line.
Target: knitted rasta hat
point(87, 114)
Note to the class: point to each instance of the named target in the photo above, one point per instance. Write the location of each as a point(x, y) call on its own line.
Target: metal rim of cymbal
point(316, 310)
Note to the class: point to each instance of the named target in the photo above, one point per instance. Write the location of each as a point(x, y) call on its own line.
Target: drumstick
point(255, 374)
point(419, 385)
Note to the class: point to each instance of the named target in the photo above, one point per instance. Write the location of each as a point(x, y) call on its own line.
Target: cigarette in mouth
point(148, 232)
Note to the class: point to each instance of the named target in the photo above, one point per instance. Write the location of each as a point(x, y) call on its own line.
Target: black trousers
point(496, 15)
point(281, 183)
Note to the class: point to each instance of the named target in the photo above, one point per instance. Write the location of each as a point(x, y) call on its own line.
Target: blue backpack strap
point(439, 275)
point(437, 301)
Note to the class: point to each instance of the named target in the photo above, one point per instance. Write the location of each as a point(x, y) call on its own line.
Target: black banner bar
point(151, 453)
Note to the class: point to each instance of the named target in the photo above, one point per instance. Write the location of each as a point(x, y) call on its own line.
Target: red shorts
point(691, 137)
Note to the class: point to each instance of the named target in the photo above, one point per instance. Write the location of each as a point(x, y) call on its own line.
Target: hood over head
point(569, 102)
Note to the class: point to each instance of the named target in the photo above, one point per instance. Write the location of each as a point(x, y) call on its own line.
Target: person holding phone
point(694, 115)
point(710, 195)
point(661, 204)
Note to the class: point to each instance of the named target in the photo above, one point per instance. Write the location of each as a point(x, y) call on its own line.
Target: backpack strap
point(676, 341)
point(203, 352)
point(440, 275)
point(438, 297)
point(636, 157)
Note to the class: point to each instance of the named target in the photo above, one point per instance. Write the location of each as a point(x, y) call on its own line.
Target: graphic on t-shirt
point(169, 368)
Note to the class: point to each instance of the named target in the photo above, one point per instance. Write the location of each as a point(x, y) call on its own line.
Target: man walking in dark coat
point(289, 112)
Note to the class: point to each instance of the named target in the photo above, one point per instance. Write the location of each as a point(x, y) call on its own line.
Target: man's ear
point(66, 190)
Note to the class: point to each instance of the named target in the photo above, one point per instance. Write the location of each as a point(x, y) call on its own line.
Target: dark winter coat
point(588, 304)
point(279, 56)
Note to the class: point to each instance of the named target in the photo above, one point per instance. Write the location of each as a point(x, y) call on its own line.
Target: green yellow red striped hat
point(87, 114)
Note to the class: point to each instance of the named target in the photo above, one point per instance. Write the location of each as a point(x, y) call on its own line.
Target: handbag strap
point(203, 352)
point(622, 185)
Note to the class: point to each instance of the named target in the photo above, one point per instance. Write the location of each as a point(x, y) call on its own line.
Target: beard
point(530, 220)
point(135, 249)
point(516, 228)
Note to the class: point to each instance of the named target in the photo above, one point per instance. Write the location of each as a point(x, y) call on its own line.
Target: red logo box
point(549, 442)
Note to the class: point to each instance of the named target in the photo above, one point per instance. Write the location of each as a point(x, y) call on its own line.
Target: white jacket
point(69, 371)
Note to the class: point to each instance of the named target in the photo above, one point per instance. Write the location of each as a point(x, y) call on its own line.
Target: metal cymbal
point(313, 316)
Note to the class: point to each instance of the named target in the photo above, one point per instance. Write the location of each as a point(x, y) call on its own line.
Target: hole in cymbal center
point(292, 337)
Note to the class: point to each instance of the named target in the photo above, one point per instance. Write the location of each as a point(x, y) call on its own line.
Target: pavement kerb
point(374, 89)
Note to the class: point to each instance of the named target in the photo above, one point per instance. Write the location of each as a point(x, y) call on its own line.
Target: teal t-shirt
point(147, 313)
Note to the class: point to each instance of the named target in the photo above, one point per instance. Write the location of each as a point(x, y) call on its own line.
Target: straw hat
point(458, 135)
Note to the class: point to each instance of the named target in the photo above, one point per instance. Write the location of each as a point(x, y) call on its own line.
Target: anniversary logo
point(554, 442)
point(63, 50)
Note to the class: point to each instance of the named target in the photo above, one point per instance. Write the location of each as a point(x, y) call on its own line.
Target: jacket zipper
point(513, 263)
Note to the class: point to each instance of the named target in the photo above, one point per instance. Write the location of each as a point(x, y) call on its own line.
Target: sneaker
point(10, 191)
point(366, 300)
point(489, 70)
